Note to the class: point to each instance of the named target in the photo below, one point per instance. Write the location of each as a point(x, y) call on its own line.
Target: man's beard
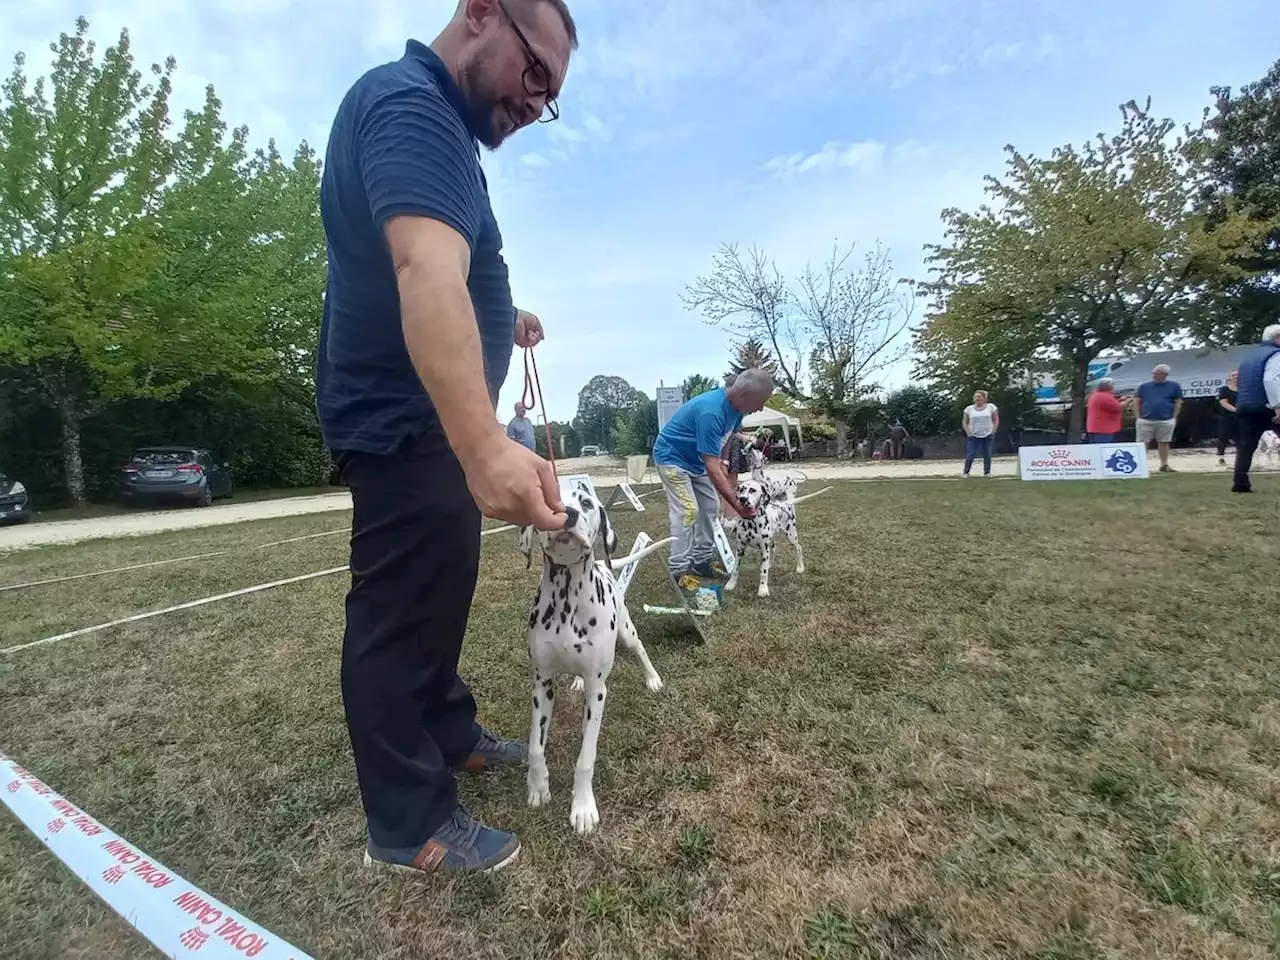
point(484, 106)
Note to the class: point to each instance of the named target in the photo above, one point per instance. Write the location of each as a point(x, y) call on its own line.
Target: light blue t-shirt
point(699, 428)
point(1158, 399)
point(520, 429)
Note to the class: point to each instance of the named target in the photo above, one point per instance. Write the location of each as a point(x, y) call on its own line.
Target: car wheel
point(206, 496)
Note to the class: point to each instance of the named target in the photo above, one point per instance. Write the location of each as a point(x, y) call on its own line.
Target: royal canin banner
point(179, 919)
point(1084, 461)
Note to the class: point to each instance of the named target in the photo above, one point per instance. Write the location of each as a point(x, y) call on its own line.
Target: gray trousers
point(692, 507)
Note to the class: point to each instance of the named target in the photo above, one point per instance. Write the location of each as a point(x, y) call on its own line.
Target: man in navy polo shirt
point(1257, 403)
point(417, 334)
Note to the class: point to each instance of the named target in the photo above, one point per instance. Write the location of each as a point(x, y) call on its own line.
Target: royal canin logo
point(1061, 457)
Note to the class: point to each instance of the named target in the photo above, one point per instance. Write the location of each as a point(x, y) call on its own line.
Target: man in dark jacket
point(1258, 403)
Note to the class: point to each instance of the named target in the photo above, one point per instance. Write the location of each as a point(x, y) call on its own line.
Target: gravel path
point(604, 472)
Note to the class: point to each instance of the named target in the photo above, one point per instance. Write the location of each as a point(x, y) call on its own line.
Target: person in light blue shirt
point(687, 455)
point(1157, 405)
point(520, 429)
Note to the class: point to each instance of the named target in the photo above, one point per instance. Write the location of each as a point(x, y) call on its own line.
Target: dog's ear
point(607, 536)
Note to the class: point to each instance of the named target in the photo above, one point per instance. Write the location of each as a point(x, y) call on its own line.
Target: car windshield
point(163, 456)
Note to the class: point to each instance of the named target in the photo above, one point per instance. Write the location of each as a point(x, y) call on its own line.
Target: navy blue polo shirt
point(401, 144)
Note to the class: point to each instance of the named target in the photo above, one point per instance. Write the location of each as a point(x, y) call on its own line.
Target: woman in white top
point(981, 421)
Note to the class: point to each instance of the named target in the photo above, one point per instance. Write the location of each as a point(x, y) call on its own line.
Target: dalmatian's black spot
point(588, 713)
point(551, 694)
point(577, 647)
point(599, 696)
point(613, 623)
point(542, 729)
point(548, 683)
point(591, 622)
point(533, 617)
point(535, 702)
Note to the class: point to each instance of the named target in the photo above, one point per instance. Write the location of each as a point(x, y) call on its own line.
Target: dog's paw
point(799, 568)
point(539, 793)
point(584, 816)
point(763, 591)
point(728, 587)
point(654, 683)
point(578, 685)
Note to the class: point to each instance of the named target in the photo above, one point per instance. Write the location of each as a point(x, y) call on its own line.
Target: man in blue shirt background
point(520, 428)
point(1157, 405)
point(1257, 403)
point(687, 455)
point(417, 335)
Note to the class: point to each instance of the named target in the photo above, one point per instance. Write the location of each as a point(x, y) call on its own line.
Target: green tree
point(924, 412)
point(1090, 249)
point(751, 354)
point(1240, 146)
point(133, 263)
point(696, 384)
point(600, 403)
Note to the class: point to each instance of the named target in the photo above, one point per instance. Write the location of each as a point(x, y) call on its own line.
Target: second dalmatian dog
point(773, 519)
point(576, 621)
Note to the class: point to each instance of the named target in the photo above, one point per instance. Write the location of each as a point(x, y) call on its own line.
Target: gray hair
point(755, 382)
point(1106, 383)
point(1161, 366)
point(1271, 334)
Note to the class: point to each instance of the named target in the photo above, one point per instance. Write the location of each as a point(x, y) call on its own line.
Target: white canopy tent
point(768, 417)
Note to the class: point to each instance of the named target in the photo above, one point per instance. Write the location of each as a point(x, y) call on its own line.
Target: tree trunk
point(1079, 378)
point(842, 439)
point(72, 464)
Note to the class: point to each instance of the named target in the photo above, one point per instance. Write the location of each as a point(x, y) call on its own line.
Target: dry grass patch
point(993, 720)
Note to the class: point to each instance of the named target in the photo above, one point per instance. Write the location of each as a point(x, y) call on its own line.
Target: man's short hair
point(1271, 334)
point(566, 17)
point(756, 382)
point(1106, 383)
point(1161, 366)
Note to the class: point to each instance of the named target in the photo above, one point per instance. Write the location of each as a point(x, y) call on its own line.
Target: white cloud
point(534, 160)
point(866, 155)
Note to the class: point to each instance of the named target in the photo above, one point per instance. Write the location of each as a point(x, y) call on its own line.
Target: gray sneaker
point(491, 751)
point(462, 845)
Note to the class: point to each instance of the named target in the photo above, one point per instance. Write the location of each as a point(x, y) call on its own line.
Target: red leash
point(526, 398)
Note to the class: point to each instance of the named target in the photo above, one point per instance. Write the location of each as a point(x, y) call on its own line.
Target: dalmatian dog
point(775, 488)
point(576, 620)
point(773, 519)
point(1269, 445)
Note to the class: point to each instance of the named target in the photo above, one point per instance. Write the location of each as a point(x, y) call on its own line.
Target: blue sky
point(791, 124)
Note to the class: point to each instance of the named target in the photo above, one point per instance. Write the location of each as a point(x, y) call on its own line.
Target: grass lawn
point(994, 719)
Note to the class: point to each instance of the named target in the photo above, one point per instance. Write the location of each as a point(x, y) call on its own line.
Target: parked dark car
point(15, 507)
point(188, 474)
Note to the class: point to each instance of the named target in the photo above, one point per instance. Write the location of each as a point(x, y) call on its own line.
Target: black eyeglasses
point(536, 77)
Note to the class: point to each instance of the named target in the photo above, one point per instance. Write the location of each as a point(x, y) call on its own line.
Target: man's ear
point(607, 535)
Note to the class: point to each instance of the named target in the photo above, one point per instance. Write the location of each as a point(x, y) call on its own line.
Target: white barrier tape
point(103, 573)
point(810, 496)
point(177, 917)
point(161, 563)
point(174, 609)
point(198, 603)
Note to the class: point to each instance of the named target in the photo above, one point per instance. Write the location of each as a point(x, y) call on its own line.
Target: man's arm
point(1271, 383)
point(720, 480)
point(1177, 404)
point(1137, 404)
point(432, 261)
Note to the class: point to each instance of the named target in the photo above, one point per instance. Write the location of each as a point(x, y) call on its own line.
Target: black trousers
point(415, 555)
point(1252, 425)
point(1227, 431)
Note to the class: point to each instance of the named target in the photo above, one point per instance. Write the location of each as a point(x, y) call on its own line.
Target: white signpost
point(670, 399)
point(727, 555)
point(1084, 461)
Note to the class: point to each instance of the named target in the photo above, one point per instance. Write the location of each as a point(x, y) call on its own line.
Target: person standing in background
point(520, 429)
point(1104, 415)
point(898, 437)
point(1157, 405)
point(981, 421)
point(1258, 407)
point(1227, 394)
